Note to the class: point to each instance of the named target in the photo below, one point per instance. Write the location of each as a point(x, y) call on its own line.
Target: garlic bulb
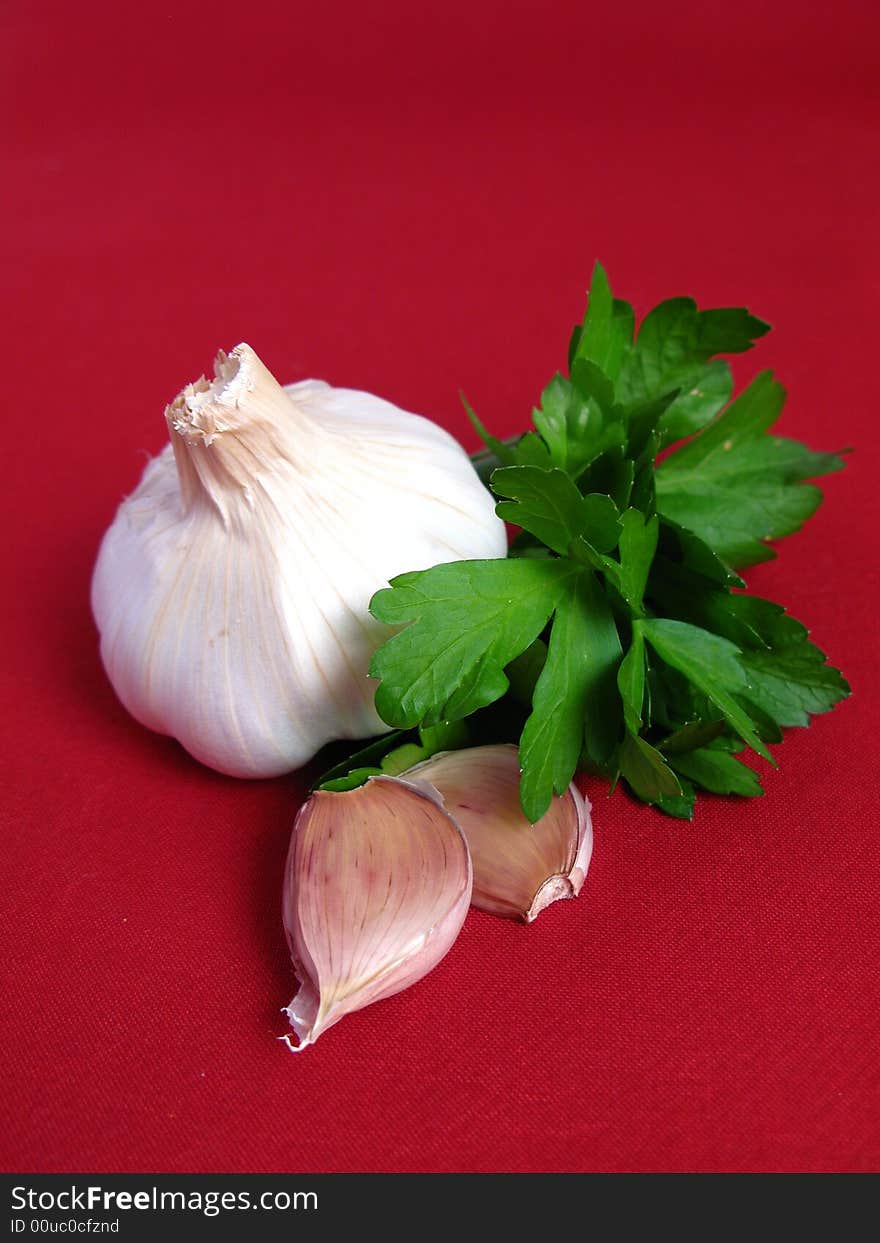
point(519, 868)
point(231, 591)
point(376, 888)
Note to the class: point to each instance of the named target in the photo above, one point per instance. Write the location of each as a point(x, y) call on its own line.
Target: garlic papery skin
point(519, 868)
point(377, 884)
point(231, 591)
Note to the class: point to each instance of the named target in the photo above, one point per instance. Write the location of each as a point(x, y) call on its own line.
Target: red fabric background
point(409, 199)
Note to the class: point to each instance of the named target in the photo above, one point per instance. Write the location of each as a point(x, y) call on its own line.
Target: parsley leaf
point(671, 355)
point(548, 505)
point(735, 486)
point(614, 634)
point(711, 664)
point(718, 771)
point(577, 423)
point(704, 393)
point(575, 697)
point(604, 337)
point(469, 619)
point(792, 683)
point(631, 683)
point(646, 771)
point(681, 806)
point(691, 736)
point(638, 543)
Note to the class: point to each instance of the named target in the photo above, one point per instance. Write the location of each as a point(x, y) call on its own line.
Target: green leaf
point(753, 413)
point(675, 591)
point(646, 772)
point(638, 542)
point(543, 502)
point(548, 504)
point(530, 450)
point(464, 622)
point(350, 781)
point(591, 381)
point(611, 547)
point(765, 726)
point(393, 753)
point(643, 495)
point(711, 664)
point(674, 341)
point(691, 736)
point(402, 758)
point(644, 427)
point(792, 683)
point(575, 692)
point(366, 757)
point(562, 415)
point(768, 623)
point(674, 700)
point(607, 329)
point(524, 671)
point(570, 424)
point(601, 522)
point(718, 771)
point(524, 544)
point(737, 487)
point(596, 337)
point(577, 419)
point(787, 678)
point(682, 806)
point(447, 736)
point(687, 549)
point(728, 330)
point(727, 742)
point(612, 474)
point(631, 683)
point(705, 392)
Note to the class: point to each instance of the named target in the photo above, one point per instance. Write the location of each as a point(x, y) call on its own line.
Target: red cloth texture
point(409, 199)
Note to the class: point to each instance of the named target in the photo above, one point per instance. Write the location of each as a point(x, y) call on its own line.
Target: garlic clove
point(232, 589)
point(377, 884)
point(519, 868)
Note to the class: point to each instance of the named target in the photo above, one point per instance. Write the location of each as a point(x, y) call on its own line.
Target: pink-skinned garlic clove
point(377, 885)
point(519, 868)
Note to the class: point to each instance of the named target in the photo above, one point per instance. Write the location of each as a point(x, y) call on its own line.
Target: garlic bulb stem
point(223, 433)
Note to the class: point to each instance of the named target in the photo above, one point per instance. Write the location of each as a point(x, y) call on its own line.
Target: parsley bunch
point(614, 635)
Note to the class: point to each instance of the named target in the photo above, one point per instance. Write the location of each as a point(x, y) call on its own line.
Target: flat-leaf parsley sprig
point(612, 636)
